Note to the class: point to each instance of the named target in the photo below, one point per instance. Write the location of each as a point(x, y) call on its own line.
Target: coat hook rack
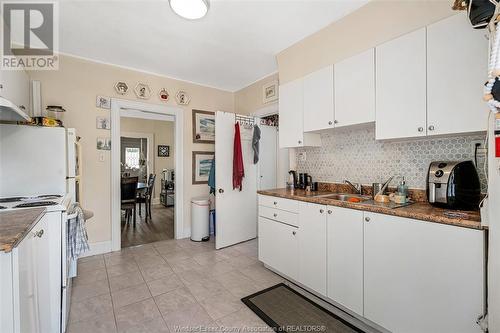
point(245, 121)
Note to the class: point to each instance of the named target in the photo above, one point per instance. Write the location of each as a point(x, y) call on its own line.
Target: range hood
point(11, 112)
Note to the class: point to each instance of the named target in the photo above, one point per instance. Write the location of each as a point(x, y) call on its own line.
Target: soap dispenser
point(403, 188)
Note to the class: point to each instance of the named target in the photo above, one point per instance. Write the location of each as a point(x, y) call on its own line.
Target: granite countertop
point(14, 225)
point(418, 210)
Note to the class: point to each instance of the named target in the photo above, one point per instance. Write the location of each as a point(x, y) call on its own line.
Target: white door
point(421, 276)
point(236, 210)
point(355, 89)
point(345, 257)
point(268, 157)
point(457, 63)
point(291, 132)
point(312, 246)
point(318, 100)
point(401, 87)
point(278, 246)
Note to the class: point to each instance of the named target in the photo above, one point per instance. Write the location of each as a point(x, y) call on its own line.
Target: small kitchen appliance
point(453, 185)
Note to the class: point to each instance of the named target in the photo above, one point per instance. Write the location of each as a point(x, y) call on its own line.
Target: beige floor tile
point(119, 259)
point(166, 248)
point(238, 284)
point(130, 295)
point(90, 276)
point(97, 257)
point(148, 261)
point(241, 261)
point(191, 316)
point(227, 253)
point(159, 271)
point(204, 288)
point(126, 280)
point(221, 304)
point(192, 275)
point(156, 325)
point(104, 323)
point(217, 268)
point(257, 272)
point(91, 265)
point(179, 266)
point(207, 258)
point(174, 300)
point(120, 269)
point(176, 255)
point(136, 313)
point(91, 307)
point(164, 285)
point(83, 291)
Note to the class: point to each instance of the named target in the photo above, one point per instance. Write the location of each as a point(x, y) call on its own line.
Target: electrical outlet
point(302, 156)
point(481, 150)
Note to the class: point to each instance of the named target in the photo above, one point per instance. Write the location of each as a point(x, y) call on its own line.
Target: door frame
point(150, 142)
point(126, 108)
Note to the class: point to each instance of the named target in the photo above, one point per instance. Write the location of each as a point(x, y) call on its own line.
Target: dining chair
point(146, 197)
point(129, 197)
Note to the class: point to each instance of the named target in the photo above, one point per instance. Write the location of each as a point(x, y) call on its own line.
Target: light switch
point(101, 157)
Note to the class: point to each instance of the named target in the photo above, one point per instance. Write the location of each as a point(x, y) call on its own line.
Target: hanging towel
point(211, 177)
point(255, 143)
point(77, 239)
point(238, 169)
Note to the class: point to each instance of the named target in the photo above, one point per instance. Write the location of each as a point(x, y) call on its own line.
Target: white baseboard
point(187, 233)
point(98, 248)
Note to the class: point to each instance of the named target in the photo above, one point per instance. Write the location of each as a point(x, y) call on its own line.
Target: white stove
point(51, 202)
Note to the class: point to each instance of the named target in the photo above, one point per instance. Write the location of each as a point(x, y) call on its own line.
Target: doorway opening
point(147, 165)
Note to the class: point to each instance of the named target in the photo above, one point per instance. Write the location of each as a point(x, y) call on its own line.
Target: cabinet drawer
point(279, 215)
point(280, 203)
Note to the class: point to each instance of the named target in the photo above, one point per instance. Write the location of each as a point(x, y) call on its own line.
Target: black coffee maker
point(304, 181)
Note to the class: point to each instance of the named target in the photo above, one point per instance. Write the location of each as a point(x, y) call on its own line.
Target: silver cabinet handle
point(38, 234)
point(1, 86)
point(275, 215)
point(335, 121)
point(275, 203)
point(367, 219)
point(420, 129)
point(330, 122)
point(294, 233)
point(299, 142)
point(321, 211)
point(329, 211)
point(431, 128)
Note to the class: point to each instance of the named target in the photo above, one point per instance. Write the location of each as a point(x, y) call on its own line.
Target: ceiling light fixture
point(190, 9)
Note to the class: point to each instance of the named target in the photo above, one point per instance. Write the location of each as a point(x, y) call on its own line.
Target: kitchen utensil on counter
point(453, 185)
point(314, 186)
point(376, 187)
point(302, 184)
point(382, 198)
point(292, 181)
point(379, 197)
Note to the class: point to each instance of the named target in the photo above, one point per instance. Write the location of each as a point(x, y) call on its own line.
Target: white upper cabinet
point(457, 65)
point(14, 87)
point(318, 100)
point(355, 89)
point(312, 246)
point(401, 87)
point(291, 131)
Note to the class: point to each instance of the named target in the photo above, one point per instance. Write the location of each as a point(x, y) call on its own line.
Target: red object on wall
point(238, 168)
point(497, 146)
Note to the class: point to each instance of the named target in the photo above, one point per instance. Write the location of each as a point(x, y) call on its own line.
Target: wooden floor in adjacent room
point(159, 227)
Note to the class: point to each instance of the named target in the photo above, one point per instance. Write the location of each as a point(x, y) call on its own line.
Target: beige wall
point(163, 134)
point(249, 99)
point(375, 23)
point(75, 86)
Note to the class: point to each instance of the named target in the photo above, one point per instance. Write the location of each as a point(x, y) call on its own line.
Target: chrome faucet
point(356, 187)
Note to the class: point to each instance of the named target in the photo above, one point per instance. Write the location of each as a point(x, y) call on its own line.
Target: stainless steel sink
point(345, 197)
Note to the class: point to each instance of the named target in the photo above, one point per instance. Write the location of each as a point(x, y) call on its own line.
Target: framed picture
point(163, 151)
point(102, 123)
point(103, 143)
point(270, 92)
point(203, 126)
point(103, 102)
point(202, 162)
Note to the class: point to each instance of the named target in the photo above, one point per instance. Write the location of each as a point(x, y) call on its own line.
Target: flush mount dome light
point(190, 9)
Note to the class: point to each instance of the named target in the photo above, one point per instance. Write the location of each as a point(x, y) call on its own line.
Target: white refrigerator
point(38, 161)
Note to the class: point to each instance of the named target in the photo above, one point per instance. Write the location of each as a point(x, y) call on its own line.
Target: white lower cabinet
point(345, 257)
point(312, 246)
point(422, 277)
point(278, 246)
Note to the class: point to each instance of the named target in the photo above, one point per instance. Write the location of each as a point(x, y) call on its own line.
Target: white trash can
point(200, 219)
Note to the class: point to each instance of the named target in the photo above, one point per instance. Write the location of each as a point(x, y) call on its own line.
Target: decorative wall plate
point(121, 87)
point(182, 97)
point(103, 102)
point(142, 91)
point(163, 94)
point(163, 151)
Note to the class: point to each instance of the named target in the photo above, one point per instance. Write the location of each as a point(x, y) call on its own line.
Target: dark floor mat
point(285, 310)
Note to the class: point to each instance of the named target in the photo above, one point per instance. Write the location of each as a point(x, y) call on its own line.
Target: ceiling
point(232, 47)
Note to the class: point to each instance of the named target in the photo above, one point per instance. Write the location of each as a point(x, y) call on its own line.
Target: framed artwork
point(203, 126)
point(103, 102)
point(202, 162)
point(142, 91)
point(163, 94)
point(103, 143)
point(102, 123)
point(270, 92)
point(121, 87)
point(163, 151)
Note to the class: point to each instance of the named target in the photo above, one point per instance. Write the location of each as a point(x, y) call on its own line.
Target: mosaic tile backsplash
point(354, 154)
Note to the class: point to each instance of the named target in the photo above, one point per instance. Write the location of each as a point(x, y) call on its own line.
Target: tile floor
point(168, 286)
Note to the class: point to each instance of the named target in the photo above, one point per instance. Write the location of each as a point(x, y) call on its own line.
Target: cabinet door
point(312, 246)
point(318, 100)
point(421, 276)
point(291, 131)
point(278, 246)
point(14, 86)
point(457, 63)
point(345, 257)
point(355, 89)
point(401, 87)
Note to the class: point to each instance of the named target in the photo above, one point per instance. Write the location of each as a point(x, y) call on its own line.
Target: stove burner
point(11, 199)
point(3, 207)
point(49, 196)
point(36, 204)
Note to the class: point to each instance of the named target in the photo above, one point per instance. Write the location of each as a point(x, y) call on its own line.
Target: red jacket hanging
point(238, 169)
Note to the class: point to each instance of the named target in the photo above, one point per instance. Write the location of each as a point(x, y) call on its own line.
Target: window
point(132, 157)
